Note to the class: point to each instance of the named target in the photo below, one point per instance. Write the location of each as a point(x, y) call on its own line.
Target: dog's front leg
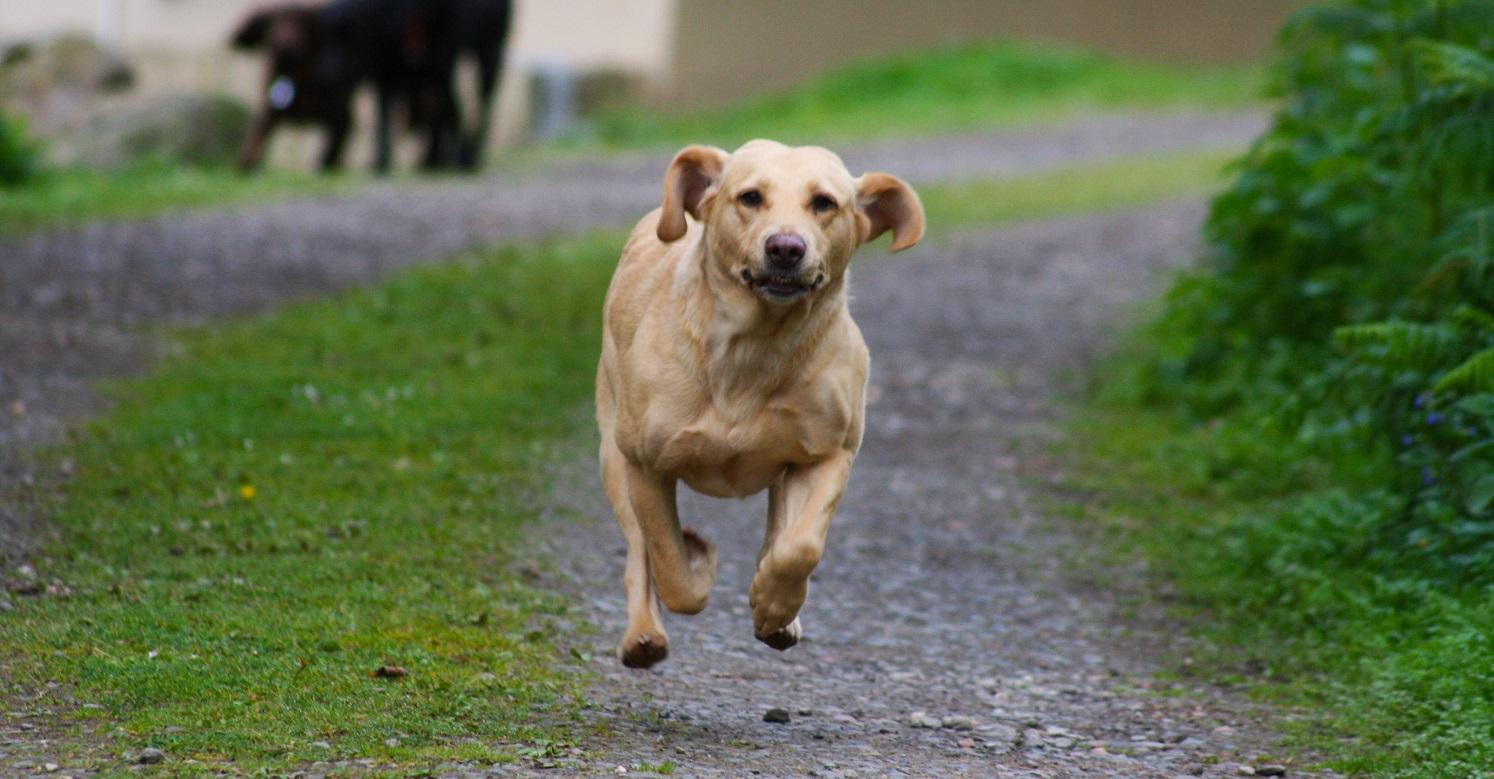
point(800, 505)
point(682, 562)
point(645, 641)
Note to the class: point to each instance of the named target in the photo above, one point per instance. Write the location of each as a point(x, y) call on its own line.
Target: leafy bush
point(1352, 283)
point(20, 156)
point(1329, 495)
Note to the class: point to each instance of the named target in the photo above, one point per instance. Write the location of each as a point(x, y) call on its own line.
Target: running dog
point(730, 362)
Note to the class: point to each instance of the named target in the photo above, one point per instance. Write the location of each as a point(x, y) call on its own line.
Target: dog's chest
point(733, 455)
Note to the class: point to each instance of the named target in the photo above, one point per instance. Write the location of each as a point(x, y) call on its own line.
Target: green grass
point(1273, 559)
point(72, 196)
point(960, 88)
point(297, 500)
point(387, 436)
point(1092, 188)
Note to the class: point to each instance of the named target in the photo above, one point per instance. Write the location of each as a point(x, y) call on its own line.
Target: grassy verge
point(1080, 189)
point(298, 500)
point(1276, 559)
point(961, 88)
point(72, 196)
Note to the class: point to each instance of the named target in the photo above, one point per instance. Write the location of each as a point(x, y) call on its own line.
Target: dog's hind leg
point(645, 641)
point(800, 506)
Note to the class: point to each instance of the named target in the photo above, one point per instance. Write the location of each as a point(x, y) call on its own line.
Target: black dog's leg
point(384, 151)
point(338, 126)
point(490, 72)
point(254, 144)
point(444, 124)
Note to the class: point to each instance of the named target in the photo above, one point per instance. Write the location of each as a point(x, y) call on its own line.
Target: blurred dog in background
point(408, 50)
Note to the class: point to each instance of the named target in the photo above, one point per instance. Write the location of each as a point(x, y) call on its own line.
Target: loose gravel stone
point(150, 756)
point(920, 719)
point(776, 716)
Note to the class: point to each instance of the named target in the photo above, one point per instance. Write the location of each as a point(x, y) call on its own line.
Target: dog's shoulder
point(643, 271)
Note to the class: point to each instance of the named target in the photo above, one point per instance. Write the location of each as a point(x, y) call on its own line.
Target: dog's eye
point(822, 204)
point(751, 198)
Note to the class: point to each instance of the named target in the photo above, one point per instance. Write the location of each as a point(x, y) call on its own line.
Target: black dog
point(407, 49)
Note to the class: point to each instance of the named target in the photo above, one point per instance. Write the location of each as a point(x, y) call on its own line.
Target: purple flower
point(1433, 418)
point(1407, 440)
point(1421, 400)
point(1427, 477)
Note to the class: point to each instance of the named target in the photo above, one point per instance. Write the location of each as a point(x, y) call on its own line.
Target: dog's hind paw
point(784, 637)
point(702, 552)
point(643, 651)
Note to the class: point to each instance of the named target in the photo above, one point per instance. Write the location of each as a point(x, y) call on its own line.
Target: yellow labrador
point(730, 362)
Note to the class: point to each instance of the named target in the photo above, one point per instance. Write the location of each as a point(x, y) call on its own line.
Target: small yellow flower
point(247, 492)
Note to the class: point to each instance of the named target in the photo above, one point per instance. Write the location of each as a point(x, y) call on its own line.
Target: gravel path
point(950, 631)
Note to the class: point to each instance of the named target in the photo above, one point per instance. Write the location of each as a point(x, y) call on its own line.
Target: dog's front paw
point(643, 650)
point(784, 637)
point(775, 609)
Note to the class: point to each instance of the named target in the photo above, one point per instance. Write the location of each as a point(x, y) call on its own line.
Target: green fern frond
point(1343, 22)
point(1475, 374)
point(1467, 252)
point(1402, 344)
point(1448, 64)
point(1473, 319)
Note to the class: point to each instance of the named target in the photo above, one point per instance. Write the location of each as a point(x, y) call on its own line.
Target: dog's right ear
point(252, 32)
point(693, 174)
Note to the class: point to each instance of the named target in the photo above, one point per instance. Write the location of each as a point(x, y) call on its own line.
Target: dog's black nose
point(785, 251)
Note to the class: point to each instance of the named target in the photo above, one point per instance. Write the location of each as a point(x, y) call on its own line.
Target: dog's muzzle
point(781, 288)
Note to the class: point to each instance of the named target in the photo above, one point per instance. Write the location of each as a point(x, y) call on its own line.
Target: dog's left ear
point(695, 171)
point(885, 202)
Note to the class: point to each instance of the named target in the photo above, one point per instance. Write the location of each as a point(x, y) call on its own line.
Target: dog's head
point(784, 221)
point(290, 34)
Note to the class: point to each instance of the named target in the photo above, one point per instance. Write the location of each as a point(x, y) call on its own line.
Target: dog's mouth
point(781, 288)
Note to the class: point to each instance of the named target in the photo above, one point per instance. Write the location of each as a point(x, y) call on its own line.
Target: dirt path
point(945, 589)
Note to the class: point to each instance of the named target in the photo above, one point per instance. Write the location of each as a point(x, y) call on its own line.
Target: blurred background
point(84, 73)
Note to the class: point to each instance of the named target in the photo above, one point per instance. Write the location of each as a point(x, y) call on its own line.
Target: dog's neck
point(745, 343)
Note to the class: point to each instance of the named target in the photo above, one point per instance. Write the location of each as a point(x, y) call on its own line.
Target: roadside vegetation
point(1303, 440)
point(970, 87)
point(62, 196)
point(35, 194)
